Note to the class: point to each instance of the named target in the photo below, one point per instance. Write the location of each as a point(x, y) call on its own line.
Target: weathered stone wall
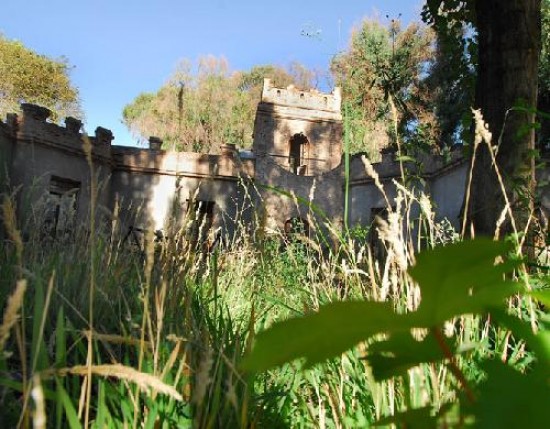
point(283, 114)
point(315, 199)
point(154, 188)
point(44, 150)
point(286, 112)
point(443, 181)
point(447, 189)
point(149, 187)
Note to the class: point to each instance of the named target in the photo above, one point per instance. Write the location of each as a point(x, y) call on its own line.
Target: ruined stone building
point(294, 174)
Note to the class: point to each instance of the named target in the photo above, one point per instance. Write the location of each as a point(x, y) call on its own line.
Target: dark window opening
point(378, 247)
point(201, 217)
point(297, 154)
point(61, 206)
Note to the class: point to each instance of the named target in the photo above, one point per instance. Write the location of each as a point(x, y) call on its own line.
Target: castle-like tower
point(298, 149)
point(301, 131)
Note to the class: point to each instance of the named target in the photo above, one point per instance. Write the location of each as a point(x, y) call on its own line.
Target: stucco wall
point(285, 112)
point(275, 126)
point(444, 182)
point(153, 187)
point(447, 191)
point(318, 198)
point(44, 150)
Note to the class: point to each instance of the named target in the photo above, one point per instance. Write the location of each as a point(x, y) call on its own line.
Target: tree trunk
point(509, 40)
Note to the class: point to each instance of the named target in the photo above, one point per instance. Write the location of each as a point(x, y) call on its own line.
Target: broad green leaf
point(510, 399)
point(420, 418)
point(401, 351)
point(542, 295)
point(323, 335)
point(539, 342)
point(454, 280)
point(461, 279)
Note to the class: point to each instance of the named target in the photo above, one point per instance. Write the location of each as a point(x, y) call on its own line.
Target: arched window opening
point(298, 154)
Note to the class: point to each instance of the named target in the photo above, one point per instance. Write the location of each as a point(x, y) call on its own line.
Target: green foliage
point(381, 66)
point(322, 335)
point(201, 109)
point(461, 279)
point(455, 280)
point(198, 315)
point(454, 75)
point(26, 76)
point(511, 399)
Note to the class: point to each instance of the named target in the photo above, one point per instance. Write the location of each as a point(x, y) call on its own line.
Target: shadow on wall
point(49, 173)
point(298, 182)
point(159, 190)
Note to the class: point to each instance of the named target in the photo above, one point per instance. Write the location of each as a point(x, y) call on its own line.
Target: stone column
point(73, 125)
point(103, 136)
point(155, 143)
point(38, 113)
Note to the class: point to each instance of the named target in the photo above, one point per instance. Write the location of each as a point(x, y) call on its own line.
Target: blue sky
point(120, 48)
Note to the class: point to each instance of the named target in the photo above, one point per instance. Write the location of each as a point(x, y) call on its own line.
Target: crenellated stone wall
point(42, 159)
point(153, 188)
point(309, 99)
point(298, 149)
point(442, 179)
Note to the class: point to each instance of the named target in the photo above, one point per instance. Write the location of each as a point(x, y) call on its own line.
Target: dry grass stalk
point(10, 223)
point(143, 380)
point(202, 378)
point(114, 339)
point(371, 172)
point(39, 415)
point(11, 313)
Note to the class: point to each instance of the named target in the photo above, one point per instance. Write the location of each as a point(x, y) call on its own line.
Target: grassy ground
point(100, 332)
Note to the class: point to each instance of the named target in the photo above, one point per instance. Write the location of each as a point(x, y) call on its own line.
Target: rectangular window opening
point(61, 206)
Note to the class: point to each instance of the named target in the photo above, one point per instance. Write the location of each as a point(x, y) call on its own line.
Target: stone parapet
point(180, 163)
point(310, 99)
point(427, 165)
point(32, 127)
point(296, 113)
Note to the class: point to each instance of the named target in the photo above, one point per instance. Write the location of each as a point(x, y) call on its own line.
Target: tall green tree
point(509, 40)
point(28, 77)
point(544, 77)
point(201, 108)
point(386, 64)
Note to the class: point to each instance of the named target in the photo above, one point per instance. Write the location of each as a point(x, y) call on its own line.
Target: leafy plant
point(33, 78)
point(454, 281)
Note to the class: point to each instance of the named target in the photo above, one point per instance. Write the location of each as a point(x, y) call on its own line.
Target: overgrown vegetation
point(385, 65)
point(27, 77)
point(200, 108)
point(102, 332)
point(421, 329)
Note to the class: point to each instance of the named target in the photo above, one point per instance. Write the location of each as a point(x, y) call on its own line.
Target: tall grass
point(171, 325)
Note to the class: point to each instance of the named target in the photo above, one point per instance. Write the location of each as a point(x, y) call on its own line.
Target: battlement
point(33, 125)
point(294, 97)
